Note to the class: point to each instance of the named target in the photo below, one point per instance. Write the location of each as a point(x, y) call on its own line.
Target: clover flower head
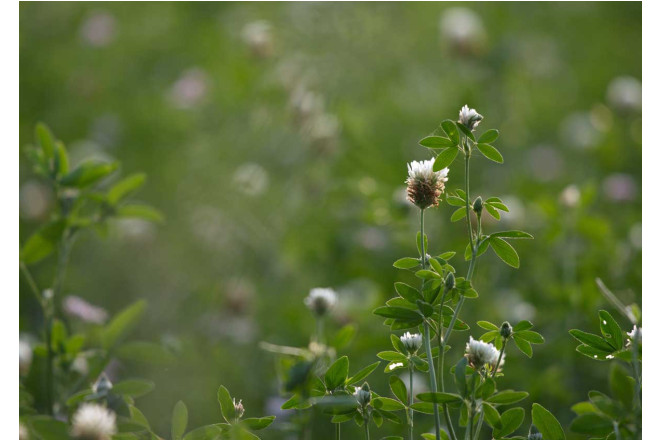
point(320, 300)
point(469, 117)
point(93, 422)
point(412, 342)
point(238, 408)
point(481, 353)
point(425, 186)
point(363, 394)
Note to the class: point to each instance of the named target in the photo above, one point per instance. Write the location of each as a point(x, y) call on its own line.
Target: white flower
point(395, 365)
point(425, 185)
point(320, 300)
point(24, 356)
point(238, 408)
point(635, 332)
point(23, 432)
point(93, 422)
point(258, 36)
point(411, 342)
point(469, 117)
point(570, 196)
point(481, 353)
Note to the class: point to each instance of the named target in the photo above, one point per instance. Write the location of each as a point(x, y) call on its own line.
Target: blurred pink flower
point(189, 89)
point(98, 29)
point(620, 187)
point(78, 307)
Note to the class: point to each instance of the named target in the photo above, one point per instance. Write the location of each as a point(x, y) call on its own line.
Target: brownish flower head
point(425, 186)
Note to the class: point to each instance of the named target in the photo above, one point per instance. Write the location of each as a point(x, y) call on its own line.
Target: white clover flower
point(425, 185)
point(412, 342)
point(238, 408)
point(395, 365)
point(93, 422)
point(320, 300)
point(481, 353)
point(469, 117)
point(635, 332)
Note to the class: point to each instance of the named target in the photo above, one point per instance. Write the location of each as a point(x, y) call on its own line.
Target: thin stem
point(635, 365)
point(33, 285)
point(319, 329)
point(441, 369)
point(366, 429)
point(337, 431)
point(434, 385)
point(481, 420)
point(499, 359)
point(410, 399)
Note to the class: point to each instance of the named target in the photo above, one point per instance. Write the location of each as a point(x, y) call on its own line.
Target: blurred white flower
point(93, 422)
point(24, 356)
point(469, 117)
point(35, 200)
point(251, 179)
point(462, 30)
point(481, 353)
point(636, 332)
point(570, 196)
point(80, 365)
point(135, 229)
point(624, 93)
point(578, 130)
point(545, 163)
point(23, 433)
point(321, 300)
point(98, 29)
point(395, 365)
point(79, 308)
point(620, 187)
point(635, 236)
point(258, 36)
point(190, 89)
point(412, 342)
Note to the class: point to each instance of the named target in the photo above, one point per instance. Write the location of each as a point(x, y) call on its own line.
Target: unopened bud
point(478, 205)
point(534, 434)
point(363, 395)
point(450, 281)
point(102, 385)
point(506, 330)
point(238, 408)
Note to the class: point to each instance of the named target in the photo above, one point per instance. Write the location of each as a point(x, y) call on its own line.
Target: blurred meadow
point(275, 138)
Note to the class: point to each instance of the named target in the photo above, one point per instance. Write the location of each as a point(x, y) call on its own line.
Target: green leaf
point(426, 309)
point(208, 432)
point(226, 404)
point(492, 416)
point(179, 420)
point(419, 242)
point(406, 263)
point(45, 139)
point(449, 127)
point(439, 397)
point(257, 424)
point(610, 329)
point(43, 242)
point(487, 325)
point(511, 420)
point(591, 423)
point(459, 376)
point(459, 214)
point(530, 336)
point(344, 336)
point(546, 423)
point(502, 207)
point(489, 136)
point(445, 158)
point(427, 275)
point(522, 325)
point(466, 131)
point(455, 201)
point(436, 142)
point(88, 173)
point(398, 388)
point(133, 387)
point(363, 373)
point(397, 344)
point(522, 344)
point(125, 186)
point(138, 210)
point(490, 152)
point(483, 247)
point(61, 159)
point(387, 404)
point(50, 429)
point(123, 323)
point(337, 373)
point(622, 387)
point(512, 234)
point(507, 397)
point(505, 251)
point(492, 211)
point(423, 407)
point(391, 356)
point(397, 313)
point(489, 336)
point(138, 417)
point(593, 353)
point(591, 340)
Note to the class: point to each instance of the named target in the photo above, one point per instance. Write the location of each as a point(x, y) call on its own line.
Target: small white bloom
point(469, 117)
point(481, 353)
point(320, 300)
point(570, 196)
point(412, 342)
point(396, 365)
point(635, 332)
point(93, 422)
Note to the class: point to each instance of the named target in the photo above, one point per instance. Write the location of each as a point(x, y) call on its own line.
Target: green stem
point(410, 399)
point(319, 329)
point(441, 369)
point(434, 385)
point(499, 359)
point(337, 431)
point(635, 365)
point(366, 428)
point(33, 285)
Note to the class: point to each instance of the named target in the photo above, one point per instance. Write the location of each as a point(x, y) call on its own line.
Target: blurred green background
point(275, 137)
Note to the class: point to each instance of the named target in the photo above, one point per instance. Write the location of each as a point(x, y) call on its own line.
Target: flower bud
point(534, 434)
point(238, 408)
point(478, 205)
point(102, 385)
point(411, 342)
point(450, 281)
point(469, 117)
point(506, 330)
point(321, 300)
point(363, 395)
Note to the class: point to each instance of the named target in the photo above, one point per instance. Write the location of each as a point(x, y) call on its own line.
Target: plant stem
point(33, 285)
point(499, 359)
point(366, 429)
point(635, 365)
point(337, 431)
point(434, 385)
point(410, 399)
point(319, 329)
